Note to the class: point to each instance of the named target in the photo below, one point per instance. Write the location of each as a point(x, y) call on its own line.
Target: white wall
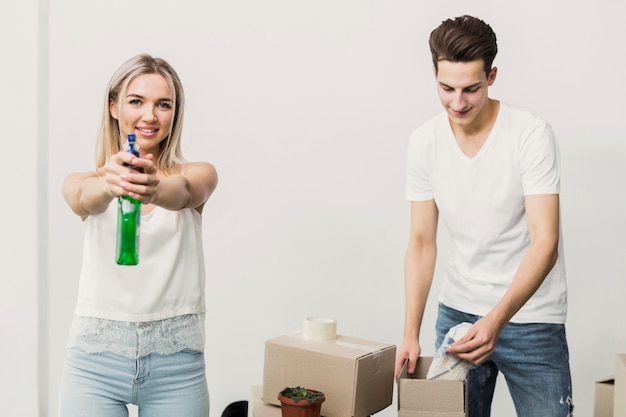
point(305, 109)
point(22, 212)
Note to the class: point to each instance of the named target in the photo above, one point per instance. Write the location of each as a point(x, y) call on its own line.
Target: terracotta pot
point(302, 408)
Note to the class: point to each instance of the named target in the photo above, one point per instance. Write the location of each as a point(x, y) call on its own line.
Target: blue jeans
point(101, 384)
point(534, 360)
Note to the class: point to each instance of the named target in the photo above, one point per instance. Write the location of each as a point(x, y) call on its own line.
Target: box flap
point(375, 382)
point(619, 397)
point(343, 346)
point(610, 380)
point(421, 368)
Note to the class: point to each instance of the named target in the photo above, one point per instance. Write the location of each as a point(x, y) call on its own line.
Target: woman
point(138, 331)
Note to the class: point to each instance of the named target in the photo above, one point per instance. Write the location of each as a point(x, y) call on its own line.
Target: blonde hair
point(109, 139)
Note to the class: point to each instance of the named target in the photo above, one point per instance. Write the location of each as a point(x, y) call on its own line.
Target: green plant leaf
point(298, 393)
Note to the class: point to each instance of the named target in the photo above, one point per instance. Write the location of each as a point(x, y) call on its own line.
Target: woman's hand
point(140, 182)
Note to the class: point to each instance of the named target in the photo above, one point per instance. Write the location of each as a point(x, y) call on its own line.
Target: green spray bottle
point(128, 219)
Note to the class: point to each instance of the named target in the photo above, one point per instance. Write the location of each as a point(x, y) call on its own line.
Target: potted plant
point(300, 402)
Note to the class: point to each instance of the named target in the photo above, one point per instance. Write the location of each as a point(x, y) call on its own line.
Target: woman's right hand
point(89, 193)
point(113, 172)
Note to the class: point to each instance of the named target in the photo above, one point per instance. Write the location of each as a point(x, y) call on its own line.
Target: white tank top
point(168, 281)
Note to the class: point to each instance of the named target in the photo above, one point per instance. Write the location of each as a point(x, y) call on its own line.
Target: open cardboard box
point(603, 406)
point(610, 393)
point(419, 397)
point(355, 374)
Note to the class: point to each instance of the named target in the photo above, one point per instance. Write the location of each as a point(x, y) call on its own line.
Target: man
point(491, 171)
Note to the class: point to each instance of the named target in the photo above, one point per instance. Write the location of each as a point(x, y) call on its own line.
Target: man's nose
point(458, 103)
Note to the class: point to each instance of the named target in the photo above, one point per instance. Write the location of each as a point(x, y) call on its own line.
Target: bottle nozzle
point(131, 145)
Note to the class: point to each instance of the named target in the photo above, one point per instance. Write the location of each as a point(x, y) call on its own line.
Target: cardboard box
point(419, 397)
point(258, 408)
point(603, 406)
point(355, 374)
point(619, 396)
point(610, 393)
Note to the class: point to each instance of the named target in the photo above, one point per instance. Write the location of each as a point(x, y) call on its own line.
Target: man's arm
point(542, 216)
point(419, 267)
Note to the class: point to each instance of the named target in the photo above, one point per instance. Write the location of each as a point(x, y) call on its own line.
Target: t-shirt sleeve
point(418, 181)
point(540, 166)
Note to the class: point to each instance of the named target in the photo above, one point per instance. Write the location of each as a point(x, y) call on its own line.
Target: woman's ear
point(113, 109)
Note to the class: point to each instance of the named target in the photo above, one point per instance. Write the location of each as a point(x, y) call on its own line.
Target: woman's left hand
point(142, 186)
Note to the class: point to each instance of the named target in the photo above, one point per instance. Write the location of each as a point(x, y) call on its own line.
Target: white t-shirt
point(481, 202)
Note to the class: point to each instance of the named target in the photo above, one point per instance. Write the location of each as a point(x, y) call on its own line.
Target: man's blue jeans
point(534, 360)
point(101, 384)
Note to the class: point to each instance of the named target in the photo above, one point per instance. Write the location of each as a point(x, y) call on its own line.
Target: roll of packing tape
point(319, 329)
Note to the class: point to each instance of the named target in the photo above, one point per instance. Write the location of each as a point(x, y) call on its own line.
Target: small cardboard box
point(610, 393)
point(258, 408)
point(419, 397)
point(619, 396)
point(355, 374)
point(603, 406)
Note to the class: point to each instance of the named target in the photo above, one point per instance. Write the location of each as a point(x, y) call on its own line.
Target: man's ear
point(113, 109)
point(435, 71)
point(492, 75)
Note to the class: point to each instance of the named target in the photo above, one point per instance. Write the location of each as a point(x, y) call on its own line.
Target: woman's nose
point(149, 113)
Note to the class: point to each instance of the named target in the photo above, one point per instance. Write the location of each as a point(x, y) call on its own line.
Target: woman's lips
point(147, 131)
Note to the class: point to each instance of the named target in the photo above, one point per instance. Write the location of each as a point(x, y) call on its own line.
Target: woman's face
point(147, 111)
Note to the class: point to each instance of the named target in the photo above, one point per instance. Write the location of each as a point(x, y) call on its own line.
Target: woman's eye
point(165, 105)
point(135, 102)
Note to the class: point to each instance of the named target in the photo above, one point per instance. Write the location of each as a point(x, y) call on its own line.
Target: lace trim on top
point(134, 340)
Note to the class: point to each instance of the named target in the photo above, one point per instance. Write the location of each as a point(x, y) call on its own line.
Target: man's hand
point(478, 343)
point(408, 350)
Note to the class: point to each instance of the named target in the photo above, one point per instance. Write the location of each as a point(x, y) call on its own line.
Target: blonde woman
point(138, 331)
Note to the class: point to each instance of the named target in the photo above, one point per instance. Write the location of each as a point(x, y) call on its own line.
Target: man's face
point(462, 89)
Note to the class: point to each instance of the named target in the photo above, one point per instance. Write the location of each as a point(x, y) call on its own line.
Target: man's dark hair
point(463, 39)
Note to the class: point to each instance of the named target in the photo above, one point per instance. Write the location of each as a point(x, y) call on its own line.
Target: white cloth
point(169, 280)
point(446, 366)
point(481, 202)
